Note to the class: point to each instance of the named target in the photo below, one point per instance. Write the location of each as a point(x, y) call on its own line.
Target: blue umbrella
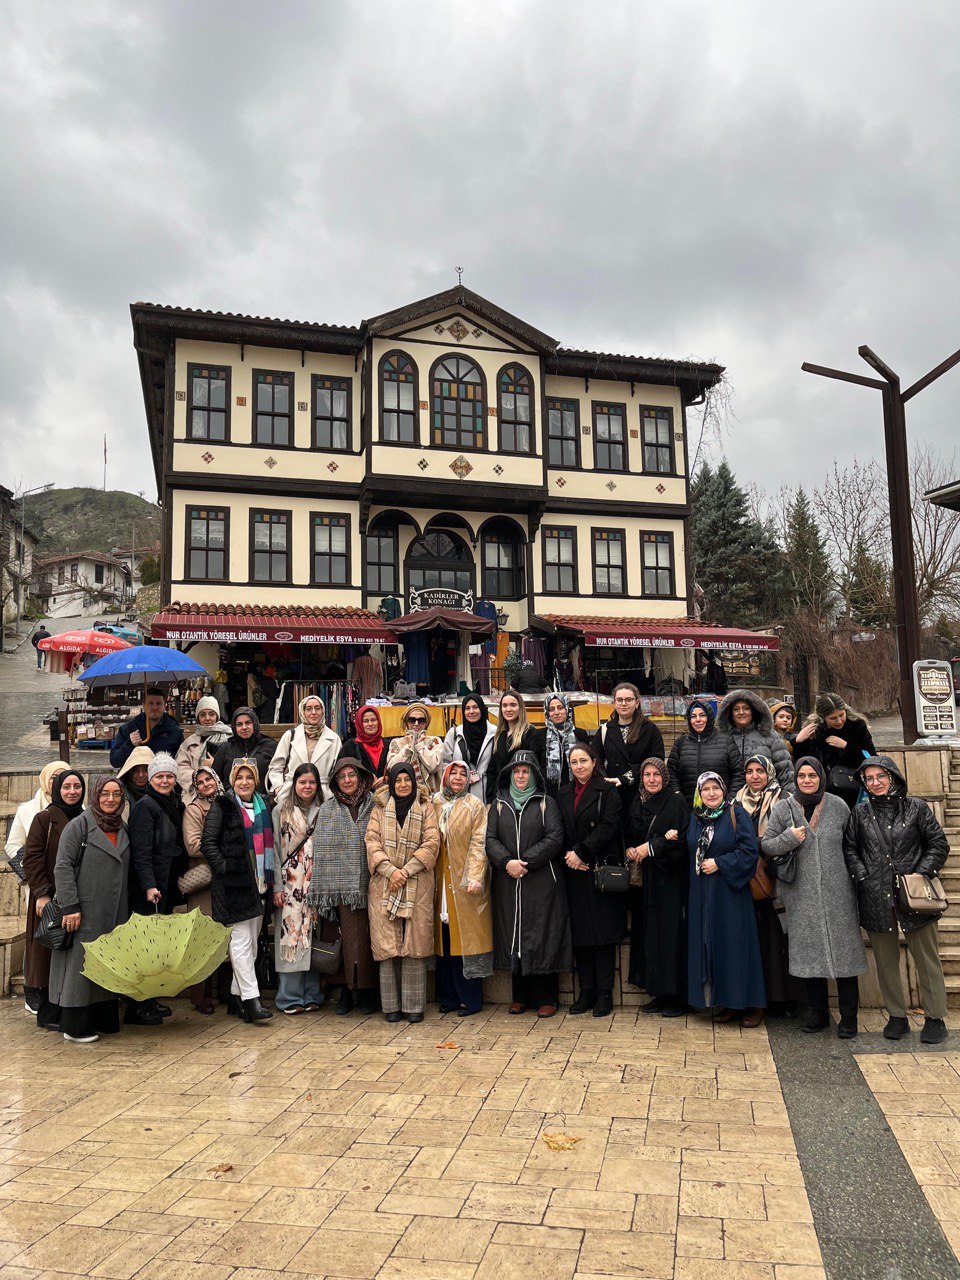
point(146, 664)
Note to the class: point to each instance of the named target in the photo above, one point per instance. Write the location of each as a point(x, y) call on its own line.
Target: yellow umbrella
point(151, 956)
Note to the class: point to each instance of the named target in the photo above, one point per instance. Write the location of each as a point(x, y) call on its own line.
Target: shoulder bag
point(15, 863)
point(611, 877)
point(50, 931)
point(922, 895)
point(762, 887)
point(785, 867)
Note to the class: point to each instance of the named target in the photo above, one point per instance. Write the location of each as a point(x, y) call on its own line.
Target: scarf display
point(561, 738)
point(340, 872)
point(258, 833)
point(474, 731)
point(653, 762)
point(708, 817)
point(312, 731)
point(520, 795)
point(758, 804)
point(71, 810)
point(809, 802)
point(401, 840)
point(107, 822)
point(297, 824)
point(403, 804)
point(373, 743)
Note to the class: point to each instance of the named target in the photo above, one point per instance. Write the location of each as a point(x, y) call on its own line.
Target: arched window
point(502, 561)
point(515, 409)
point(398, 399)
point(458, 412)
point(439, 560)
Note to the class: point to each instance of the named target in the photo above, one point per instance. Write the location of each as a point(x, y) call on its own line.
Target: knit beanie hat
point(162, 762)
point(207, 703)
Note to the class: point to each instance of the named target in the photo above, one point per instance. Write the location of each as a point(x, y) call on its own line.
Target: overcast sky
point(757, 183)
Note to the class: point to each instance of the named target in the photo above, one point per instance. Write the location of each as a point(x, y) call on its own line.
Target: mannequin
point(368, 674)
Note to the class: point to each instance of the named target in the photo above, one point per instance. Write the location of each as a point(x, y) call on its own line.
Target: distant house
point(18, 545)
point(80, 582)
point(948, 495)
point(133, 558)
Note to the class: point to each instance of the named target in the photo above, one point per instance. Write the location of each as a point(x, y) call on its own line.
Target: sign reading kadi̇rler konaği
point(933, 691)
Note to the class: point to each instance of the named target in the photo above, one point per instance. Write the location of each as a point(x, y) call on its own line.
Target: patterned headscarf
point(206, 768)
point(106, 821)
point(561, 738)
point(708, 817)
point(654, 762)
point(313, 731)
point(759, 803)
point(448, 797)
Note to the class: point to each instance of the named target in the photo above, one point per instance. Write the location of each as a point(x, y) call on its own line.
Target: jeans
point(298, 989)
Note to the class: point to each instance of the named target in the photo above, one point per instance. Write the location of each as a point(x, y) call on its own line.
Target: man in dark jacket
point(892, 834)
point(41, 633)
point(151, 727)
point(246, 741)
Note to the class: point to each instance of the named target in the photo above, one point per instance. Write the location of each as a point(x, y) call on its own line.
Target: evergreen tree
point(867, 588)
point(809, 579)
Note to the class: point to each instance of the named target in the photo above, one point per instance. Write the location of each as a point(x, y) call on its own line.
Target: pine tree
point(809, 580)
point(867, 589)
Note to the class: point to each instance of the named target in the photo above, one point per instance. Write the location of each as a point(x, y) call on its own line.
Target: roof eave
point(459, 296)
point(945, 495)
point(693, 379)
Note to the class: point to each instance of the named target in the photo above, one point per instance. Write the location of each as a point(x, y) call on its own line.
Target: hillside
point(91, 520)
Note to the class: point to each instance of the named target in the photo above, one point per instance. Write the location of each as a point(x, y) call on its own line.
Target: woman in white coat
point(472, 742)
point(26, 812)
point(311, 742)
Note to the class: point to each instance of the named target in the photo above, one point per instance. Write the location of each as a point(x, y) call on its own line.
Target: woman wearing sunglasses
point(417, 747)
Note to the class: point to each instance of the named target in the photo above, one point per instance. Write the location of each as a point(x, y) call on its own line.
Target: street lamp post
point(901, 528)
point(41, 488)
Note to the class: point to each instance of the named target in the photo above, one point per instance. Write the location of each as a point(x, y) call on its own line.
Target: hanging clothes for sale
point(416, 657)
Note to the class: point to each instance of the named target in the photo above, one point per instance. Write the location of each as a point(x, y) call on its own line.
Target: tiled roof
point(201, 314)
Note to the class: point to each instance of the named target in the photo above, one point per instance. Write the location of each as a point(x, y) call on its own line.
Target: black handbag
point(843, 780)
point(611, 877)
point(325, 957)
point(50, 931)
point(15, 863)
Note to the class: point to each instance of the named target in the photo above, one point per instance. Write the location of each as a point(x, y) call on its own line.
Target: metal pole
point(23, 503)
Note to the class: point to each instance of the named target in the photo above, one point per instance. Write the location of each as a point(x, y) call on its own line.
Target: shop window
point(381, 570)
point(330, 550)
point(502, 561)
point(609, 574)
point(656, 557)
point(273, 408)
point(609, 437)
point(331, 413)
point(439, 560)
point(563, 433)
point(206, 544)
point(208, 402)
point(398, 399)
point(458, 400)
point(559, 560)
point(515, 409)
point(270, 551)
point(657, 426)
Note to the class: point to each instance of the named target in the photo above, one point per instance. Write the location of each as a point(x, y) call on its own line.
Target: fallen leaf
point(233, 1075)
point(560, 1141)
point(309, 1097)
point(220, 1168)
point(448, 1044)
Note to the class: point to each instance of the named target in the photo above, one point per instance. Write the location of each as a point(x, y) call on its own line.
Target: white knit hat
point(162, 762)
point(207, 703)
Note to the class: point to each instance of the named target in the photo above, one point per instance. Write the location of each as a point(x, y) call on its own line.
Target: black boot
point(140, 1015)
point(367, 1002)
point(934, 1031)
point(233, 1006)
point(584, 1001)
point(896, 1029)
point(656, 1005)
point(253, 1011)
point(847, 1028)
point(675, 1007)
point(604, 1006)
point(819, 1020)
point(345, 1003)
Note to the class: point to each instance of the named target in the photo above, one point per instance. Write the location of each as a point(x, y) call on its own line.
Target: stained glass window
point(330, 550)
point(270, 536)
point(608, 569)
point(458, 410)
point(515, 409)
point(398, 399)
point(273, 408)
point(208, 402)
point(439, 560)
point(331, 413)
point(609, 437)
point(657, 427)
point(207, 544)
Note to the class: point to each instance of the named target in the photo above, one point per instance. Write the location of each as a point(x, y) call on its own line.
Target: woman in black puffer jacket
point(893, 834)
point(704, 749)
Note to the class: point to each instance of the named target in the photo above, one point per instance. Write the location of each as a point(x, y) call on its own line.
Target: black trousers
point(454, 991)
point(101, 1018)
point(536, 989)
point(596, 967)
point(848, 993)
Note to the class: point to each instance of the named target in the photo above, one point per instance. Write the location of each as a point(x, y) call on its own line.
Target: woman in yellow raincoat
point(463, 928)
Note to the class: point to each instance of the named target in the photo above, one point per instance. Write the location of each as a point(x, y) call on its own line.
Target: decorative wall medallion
point(302, 406)
point(241, 401)
point(678, 435)
point(424, 404)
point(611, 485)
point(458, 330)
point(477, 333)
point(560, 482)
point(661, 488)
point(584, 431)
point(438, 328)
point(498, 470)
point(333, 466)
point(270, 462)
point(207, 457)
point(634, 435)
point(491, 410)
point(423, 464)
point(181, 395)
point(460, 467)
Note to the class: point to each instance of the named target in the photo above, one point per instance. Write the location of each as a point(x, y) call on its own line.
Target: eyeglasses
point(629, 698)
point(348, 773)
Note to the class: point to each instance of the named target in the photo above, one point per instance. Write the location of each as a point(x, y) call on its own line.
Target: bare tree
point(936, 535)
point(852, 515)
point(715, 415)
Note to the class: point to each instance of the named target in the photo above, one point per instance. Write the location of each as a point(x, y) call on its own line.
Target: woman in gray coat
point(804, 840)
point(91, 876)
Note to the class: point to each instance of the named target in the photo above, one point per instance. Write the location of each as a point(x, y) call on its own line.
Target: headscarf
point(107, 822)
point(561, 739)
point(653, 762)
point(47, 775)
point(474, 731)
point(297, 823)
point(520, 795)
point(71, 810)
point(809, 802)
point(708, 711)
point(138, 756)
point(352, 803)
point(402, 804)
point(449, 798)
point(708, 817)
point(206, 768)
point(258, 831)
point(245, 711)
point(372, 743)
point(416, 706)
point(312, 731)
point(244, 762)
point(759, 803)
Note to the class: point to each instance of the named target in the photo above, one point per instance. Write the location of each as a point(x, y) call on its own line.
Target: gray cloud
point(753, 183)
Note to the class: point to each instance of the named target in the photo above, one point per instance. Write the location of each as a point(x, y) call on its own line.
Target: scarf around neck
point(561, 738)
point(758, 804)
point(107, 822)
point(520, 795)
point(258, 834)
point(353, 804)
point(708, 817)
point(312, 731)
point(296, 868)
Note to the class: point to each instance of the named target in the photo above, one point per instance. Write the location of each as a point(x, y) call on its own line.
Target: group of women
point(485, 849)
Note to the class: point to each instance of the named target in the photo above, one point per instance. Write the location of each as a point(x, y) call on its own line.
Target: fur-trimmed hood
point(762, 715)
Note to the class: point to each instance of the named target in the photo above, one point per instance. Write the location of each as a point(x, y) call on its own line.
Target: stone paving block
point(510, 1262)
point(441, 1240)
point(627, 1253)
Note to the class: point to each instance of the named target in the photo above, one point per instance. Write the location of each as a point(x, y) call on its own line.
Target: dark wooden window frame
point(483, 445)
point(492, 535)
point(346, 556)
point(599, 536)
point(98, 575)
point(596, 407)
point(188, 543)
point(424, 564)
point(381, 438)
point(562, 403)
point(666, 536)
point(337, 384)
point(197, 371)
point(530, 424)
point(657, 410)
point(288, 520)
point(255, 411)
point(381, 531)
point(545, 531)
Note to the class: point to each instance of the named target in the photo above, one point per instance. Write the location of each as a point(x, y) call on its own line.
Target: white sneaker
point(80, 1039)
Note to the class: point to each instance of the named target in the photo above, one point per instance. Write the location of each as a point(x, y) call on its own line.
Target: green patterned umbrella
point(151, 956)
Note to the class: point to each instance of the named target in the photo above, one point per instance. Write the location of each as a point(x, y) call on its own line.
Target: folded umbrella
point(151, 956)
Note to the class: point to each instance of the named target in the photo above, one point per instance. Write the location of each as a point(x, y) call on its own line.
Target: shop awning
point(447, 619)
point(269, 625)
point(657, 633)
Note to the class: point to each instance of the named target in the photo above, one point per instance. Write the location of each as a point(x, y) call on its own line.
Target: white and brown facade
point(445, 446)
point(79, 582)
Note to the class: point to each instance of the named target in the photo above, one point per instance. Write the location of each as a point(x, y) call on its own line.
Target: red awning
point(448, 619)
point(660, 633)
point(223, 623)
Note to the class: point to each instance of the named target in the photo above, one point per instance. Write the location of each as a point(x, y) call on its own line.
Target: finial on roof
point(459, 271)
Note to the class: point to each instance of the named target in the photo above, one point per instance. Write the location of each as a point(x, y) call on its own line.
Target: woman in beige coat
point(418, 747)
point(463, 931)
point(206, 785)
point(403, 841)
point(311, 742)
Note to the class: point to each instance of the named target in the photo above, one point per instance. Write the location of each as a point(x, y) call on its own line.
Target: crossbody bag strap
point(293, 852)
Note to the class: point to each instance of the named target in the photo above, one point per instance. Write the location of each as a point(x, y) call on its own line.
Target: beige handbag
point(196, 878)
point(922, 894)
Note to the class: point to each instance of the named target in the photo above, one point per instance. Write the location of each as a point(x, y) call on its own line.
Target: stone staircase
point(950, 878)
